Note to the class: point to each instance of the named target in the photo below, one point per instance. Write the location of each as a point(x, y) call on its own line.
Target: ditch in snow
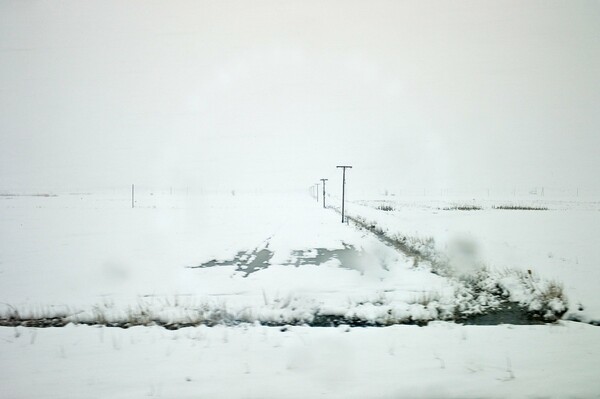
point(249, 262)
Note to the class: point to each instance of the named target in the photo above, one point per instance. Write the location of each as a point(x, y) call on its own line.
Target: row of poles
point(343, 167)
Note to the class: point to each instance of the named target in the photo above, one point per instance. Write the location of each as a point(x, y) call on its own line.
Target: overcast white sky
point(270, 93)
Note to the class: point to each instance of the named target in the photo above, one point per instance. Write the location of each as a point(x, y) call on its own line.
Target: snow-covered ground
point(441, 360)
point(93, 258)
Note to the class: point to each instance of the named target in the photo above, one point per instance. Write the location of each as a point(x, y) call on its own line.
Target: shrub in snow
point(543, 299)
point(463, 208)
point(549, 301)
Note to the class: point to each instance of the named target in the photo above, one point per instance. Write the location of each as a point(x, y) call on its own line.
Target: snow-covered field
point(94, 257)
point(278, 259)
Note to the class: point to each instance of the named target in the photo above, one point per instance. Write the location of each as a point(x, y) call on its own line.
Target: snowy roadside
point(442, 360)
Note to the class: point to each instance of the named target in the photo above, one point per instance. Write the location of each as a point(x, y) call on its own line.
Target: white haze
point(272, 94)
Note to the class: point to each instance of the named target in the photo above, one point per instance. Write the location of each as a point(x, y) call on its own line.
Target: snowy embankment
point(540, 253)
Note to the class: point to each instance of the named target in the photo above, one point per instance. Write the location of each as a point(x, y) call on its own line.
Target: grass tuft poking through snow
point(520, 207)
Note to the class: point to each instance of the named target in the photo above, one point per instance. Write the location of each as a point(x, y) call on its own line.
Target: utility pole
point(317, 196)
point(132, 196)
point(324, 180)
point(344, 167)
